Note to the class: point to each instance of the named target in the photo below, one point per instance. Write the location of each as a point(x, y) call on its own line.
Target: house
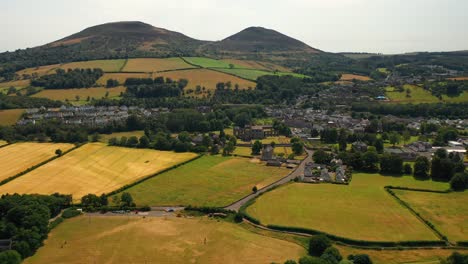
point(359, 146)
point(340, 174)
point(267, 153)
point(274, 163)
point(325, 175)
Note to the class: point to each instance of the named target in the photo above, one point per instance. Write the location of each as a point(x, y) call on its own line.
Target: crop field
point(248, 64)
point(94, 168)
point(40, 71)
point(206, 78)
point(168, 240)
point(350, 77)
point(418, 95)
point(9, 117)
point(448, 212)
point(105, 65)
point(207, 181)
point(121, 77)
point(329, 207)
point(82, 93)
point(254, 74)
point(18, 157)
point(104, 138)
point(20, 84)
point(155, 65)
point(210, 63)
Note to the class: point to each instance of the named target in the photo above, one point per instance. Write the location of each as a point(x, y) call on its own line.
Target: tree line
point(77, 78)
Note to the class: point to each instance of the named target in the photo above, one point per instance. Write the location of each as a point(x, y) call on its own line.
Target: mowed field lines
point(361, 210)
point(18, 157)
point(448, 212)
point(160, 240)
point(155, 65)
point(207, 181)
point(93, 168)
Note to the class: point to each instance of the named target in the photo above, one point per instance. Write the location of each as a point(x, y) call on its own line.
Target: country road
point(297, 172)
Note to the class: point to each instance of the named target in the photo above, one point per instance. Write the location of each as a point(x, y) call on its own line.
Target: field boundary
point(7, 180)
point(7, 144)
point(127, 186)
point(123, 65)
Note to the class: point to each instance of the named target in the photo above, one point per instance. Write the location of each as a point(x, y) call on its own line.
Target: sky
point(379, 26)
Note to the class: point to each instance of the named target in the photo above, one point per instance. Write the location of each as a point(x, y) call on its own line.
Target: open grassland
point(254, 74)
point(206, 78)
point(9, 117)
point(462, 98)
point(20, 84)
point(155, 65)
point(94, 168)
point(350, 77)
point(417, 96)
point(82, 93)
point(104, 138)
point(40, 71)
point(18, 157)
point(329, 208)
point(448, 212)
point(121, 77)
point(207, 181)
point(105, 65)
point(160, 240)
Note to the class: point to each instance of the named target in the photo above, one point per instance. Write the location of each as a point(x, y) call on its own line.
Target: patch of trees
point(456, 258)
point(77, 78)
point(445, 165)
point(15, 102)
point(450, 88)
point(451, 111)
point(112, 83)
point(25, 220)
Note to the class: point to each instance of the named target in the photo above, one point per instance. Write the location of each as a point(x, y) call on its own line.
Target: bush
point(459, 182)
point(238, 218)
point(407, 169)
point(10, 257)
point(70, 212)
point(55, 223)
point(331, 255)
point(360, 259)
point(318, 245)
point(311, 260)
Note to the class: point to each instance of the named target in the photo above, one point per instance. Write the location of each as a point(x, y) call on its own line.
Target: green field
point(159, 240)
point(254, 74)
point(462, 98)
point(104, 138)
point(418, 95)
point(207, 181)
point(361, 210)
point(209, 63)
point(105, 65)
point(448, 212)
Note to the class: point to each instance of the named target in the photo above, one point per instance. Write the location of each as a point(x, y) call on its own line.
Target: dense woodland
point(77, 78)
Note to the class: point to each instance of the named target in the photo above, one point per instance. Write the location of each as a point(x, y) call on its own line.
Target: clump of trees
point(77, 78)
point(154, 88)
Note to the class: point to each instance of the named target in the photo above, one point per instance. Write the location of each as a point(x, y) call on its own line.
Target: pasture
point(462, 98)
point(19, 157)
point(10, 116)
point(121, 77)
point(80, 96)
point(448, 212)
point(105, 65)
point(417, 95)
point(255, 74)
point(155, 65)
point(351, 77)
point(207, 181)
point(94, 168)
point(206, 78)
point(19, 84)
point(156, 239)
point(209, 63)
point(329, 208)
point(248, 64)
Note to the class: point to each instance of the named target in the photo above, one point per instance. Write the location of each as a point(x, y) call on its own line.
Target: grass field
point(18, 157)
point(208, 181)
point(329, 208)
point(206, 78)
point(448, 212)
point(155, 65)
point(462, 98)
point(160, 240)
point(418, 95)
point(104, 138)
point(210, 63)
point(9, 117)
point(94, 168)
point(121, 77)
point(105, 65)
point(248, 64)
point(254, 74)
point(350, 77)
point(83, 94)
point(40, 71)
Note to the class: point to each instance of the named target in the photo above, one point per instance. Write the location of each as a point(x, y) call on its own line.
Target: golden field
point(350, 77)
point(10, 116)
point(121, 77)
point(18, 157)
point(82, 93)
point(94, 168)
point(105, 65)
point(155, 65)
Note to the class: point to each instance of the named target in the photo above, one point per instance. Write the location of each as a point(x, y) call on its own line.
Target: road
point(299, 170)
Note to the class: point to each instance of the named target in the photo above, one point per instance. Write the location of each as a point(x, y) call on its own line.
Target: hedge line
point(245, 215)
point(355, 242)
point(462, 243)
point(36, 166)
point(208, 210)
point(416, 189)
point(55, 223)
point(125, 187)
point(427, 222)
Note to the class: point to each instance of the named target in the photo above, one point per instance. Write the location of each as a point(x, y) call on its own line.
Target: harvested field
point(104, 138)
point(206, 78)
point(9, 117)
point(254, 74)
point(82, 93)
point(328, 208)
point(350, 77)
point(209, 63)
point(18, 157)
point(40, 71)
point(448, 212)
point(105, 65)
point(155, 65)
point(159, 240)
point(94, 168)
point(207, 181)
point(121, 77)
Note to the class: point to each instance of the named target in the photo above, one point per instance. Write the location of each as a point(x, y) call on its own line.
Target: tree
point(370, 161)
point(238, 218)
point(95, 137)
point(360, 259)
point(318, 245)
point(10, 257)
point(311, 260)
point(407, 169)
point(321, 157)
point(144, 142)
point(331, 255)
point(406, 136)
point(132, 142)
point(256, 147)
point(459, 182)
point(254, 189)
point(394, 138)
point(127, 200)
point(342, 140)
point(379, 145)
point(457, 258)
point(297, 147)
point(58, 152)
point(392, 164)
point(103, 200)
point(91, 201)
point(421, 167)
point(442, 168)
point(229, 148)
point(242, 119)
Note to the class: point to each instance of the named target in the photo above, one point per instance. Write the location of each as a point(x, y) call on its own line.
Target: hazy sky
point(386, 26)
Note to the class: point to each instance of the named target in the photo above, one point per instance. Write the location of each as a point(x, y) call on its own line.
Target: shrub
point(360, 259)
point(318, 245)
point(10, 257)
point(331, 255)
point(70, 212)
point(311, 260)
point(238, 218)
point(459, 182)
